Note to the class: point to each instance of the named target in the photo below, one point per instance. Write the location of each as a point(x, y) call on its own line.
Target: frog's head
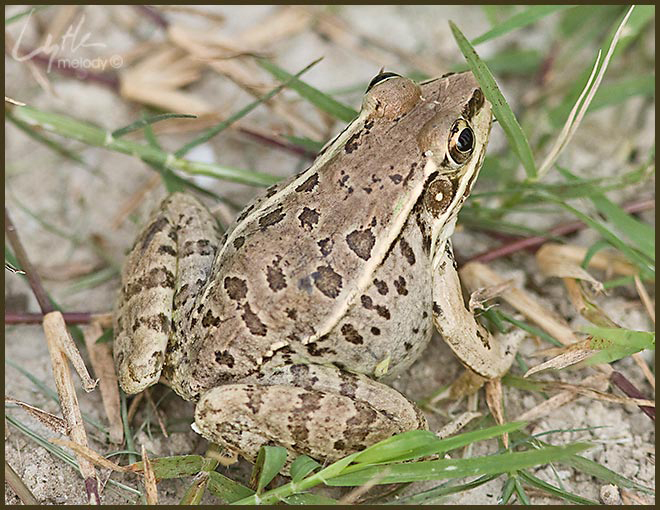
point(453, 121)
point(448, 121)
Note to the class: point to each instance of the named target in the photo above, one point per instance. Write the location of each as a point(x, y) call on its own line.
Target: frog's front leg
point(170, 261)
point(485, 356)
point(320, 411)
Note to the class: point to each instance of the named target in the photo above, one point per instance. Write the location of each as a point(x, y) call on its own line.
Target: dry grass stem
point(554, 260)
point(495, 401)
point(572, 354)
point(599, 381)
point(476, 275)
point(587, 309)
point(151, 490)
point(52, 422)
point(157, 412)
point(13, 101)
point(646, 299)
point(157, 81)
point(18, 486)
point(641, 363)
point(100, 356)
point(457, 424)
point(381, 53)
point(90, 455)
point(134, 201)
point(135, 404)
point(55, 327)
point(57, 338)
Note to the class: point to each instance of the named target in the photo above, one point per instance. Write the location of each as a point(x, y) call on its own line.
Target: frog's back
point(304, 258)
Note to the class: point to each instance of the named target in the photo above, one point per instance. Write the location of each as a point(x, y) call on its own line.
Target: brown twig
point(533, 243)
point(69, 317)
point(621, 382)
point(153, 14)
point(18, 486)
point(25, 264)
point(55, 330)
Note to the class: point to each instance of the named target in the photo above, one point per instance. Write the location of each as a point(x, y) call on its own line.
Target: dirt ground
point(66, 215)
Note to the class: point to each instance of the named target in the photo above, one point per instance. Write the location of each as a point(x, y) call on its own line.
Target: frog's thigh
point(488, 356)
point(322, 424)
point(173, 254)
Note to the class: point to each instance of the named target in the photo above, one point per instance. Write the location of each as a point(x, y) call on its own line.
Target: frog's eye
point(381, 77)
point(461, 141)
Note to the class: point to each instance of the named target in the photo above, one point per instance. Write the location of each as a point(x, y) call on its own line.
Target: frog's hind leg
point(170, 260)
point(315, 410)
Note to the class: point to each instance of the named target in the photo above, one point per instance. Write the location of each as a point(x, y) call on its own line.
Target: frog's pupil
point(465, 140)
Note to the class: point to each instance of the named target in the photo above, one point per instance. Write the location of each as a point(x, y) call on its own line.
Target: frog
point(287, 329)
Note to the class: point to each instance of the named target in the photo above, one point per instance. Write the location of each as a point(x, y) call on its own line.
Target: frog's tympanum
point(281, 329)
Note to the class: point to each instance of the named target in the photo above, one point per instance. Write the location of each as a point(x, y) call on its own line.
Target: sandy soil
point(84, 202)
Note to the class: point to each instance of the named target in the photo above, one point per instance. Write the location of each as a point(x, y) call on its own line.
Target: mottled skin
point(325, 283)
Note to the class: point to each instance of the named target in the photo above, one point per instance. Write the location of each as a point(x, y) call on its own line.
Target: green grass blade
point(195, 491)
point(640, 234)
point(90, 134)
point(633, 256)
point(176, 466)
point(22, 14)
point(432, 495)
point(501, 109)
point(226, 489)
point(617, 343)
point(592, 468)
point(309, 499)
point(302, 466)
point(610, 94)
point(322, 101)
point(459, 468)
point(556, 491)
point(52, 145)
point(213, 131)
point(270, 461)
point(440, 446)
point(139, 124)
point(396, 446)
point(519, 20)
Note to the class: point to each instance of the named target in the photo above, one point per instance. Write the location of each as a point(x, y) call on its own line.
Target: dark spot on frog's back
point(238, 242)
point(275, 277)
point(309, 218)
point(381, 287)
point(352, 142)
point(224, 358)
point(309, 184)
point(252, 321)
point(396, 178)
point(236, 288)
point(407, 251)
point(327, 281)
point(166, 250)
point(154, 228)
point(271, 218)
point(400, 286)
point(351, 335)
point(361, 242)
point(326, 246)
point(210, 320)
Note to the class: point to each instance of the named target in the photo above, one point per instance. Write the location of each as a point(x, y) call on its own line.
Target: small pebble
point(609, 495)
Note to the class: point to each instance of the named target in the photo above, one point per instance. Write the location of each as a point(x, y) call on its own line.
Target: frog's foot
point(168, 263)
point(326, 417)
